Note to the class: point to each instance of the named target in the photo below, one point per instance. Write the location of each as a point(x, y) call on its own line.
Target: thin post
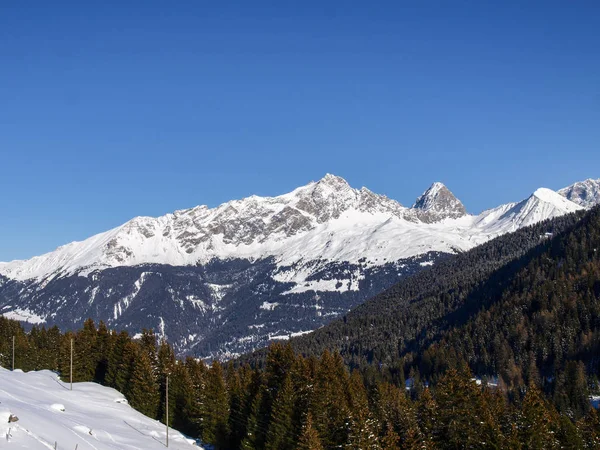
point(167, 415)
point(13, 355)
point(71, 370)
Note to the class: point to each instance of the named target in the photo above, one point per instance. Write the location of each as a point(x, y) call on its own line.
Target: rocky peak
point(584, 193)
point(438, 203)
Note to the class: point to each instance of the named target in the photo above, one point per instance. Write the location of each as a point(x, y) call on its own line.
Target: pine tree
point(329, 404)
point(216, 408)
point(399, 414)
point(536, 424)
point(85, 356)
point(119, 362)
point(363, 432)
point(254, 425)
point(165, 366)
point(147, 345)
point(391, 440)
point(309, 438)
point(197, 372)
point(143, 392)
point(183, 394)
point(462, 418)
point(589, 429)
point(428, 416)
point(102, 349)
point(281, 433)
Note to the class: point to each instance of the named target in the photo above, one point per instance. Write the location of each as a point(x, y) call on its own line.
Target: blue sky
point(140, 108)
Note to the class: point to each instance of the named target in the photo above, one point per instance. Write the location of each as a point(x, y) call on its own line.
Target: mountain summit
point(584, 193)
point(438, 203)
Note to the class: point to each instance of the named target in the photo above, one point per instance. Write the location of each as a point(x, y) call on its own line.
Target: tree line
point(301, 402)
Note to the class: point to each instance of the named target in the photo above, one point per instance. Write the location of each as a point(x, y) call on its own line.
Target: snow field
point(90, 417)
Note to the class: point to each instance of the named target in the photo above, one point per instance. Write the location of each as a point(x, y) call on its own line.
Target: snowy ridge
point(541, 205)
point(327, 220)
point(584, 193)
point(89, 417)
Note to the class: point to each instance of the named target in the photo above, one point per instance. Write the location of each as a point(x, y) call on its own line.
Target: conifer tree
point(363, 430)
point(147, 344)
point(390, 440)
point(165, 366)
point(102, 349)
point(197, 372)
point(461, 416)
point(119, 362)
point(589, 429)
point(85, 356)
point(309, 438)
point(216, 408)
point(143, 392)
point(254, 426)
point(183, 394)
point(428, 416)
point(536, 424)
point(281, 433)
point(329, 404)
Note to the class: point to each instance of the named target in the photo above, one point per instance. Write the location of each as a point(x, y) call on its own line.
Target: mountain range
point(225, 280)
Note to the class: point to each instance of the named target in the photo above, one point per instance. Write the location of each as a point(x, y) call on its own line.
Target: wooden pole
point(167, 415)
point(71, 364)
point(13, 355)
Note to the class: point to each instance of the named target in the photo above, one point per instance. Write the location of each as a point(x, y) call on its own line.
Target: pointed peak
point(435, 188)
point(332, 180)
point(545, 194)
point(438, 203)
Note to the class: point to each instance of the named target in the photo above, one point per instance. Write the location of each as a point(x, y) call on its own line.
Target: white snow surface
point(91, 417)
point(24, 315)
point(325, 220)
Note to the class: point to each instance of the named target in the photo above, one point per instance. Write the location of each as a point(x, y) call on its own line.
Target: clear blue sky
point(140, 108)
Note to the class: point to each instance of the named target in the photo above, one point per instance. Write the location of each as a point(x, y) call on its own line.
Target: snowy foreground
point(89, 417)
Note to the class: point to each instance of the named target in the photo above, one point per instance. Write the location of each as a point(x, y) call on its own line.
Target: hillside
point(89, 417)
point(529, 315)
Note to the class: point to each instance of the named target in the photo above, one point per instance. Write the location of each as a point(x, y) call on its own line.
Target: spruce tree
point(536, 421)
point(363, 429)
point(216, 408)
point(119, 362)
point(85, 356)
point(309, 438)
point(281, 433)
point(143, 392)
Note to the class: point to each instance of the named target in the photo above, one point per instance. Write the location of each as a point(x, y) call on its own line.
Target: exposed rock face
point(438, 203)
point(584, 193)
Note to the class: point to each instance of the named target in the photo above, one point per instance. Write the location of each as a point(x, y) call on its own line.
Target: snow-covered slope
point(226, 280)
point(324, 220)
point(584, 193)
point(91, 417)
point(541, 205)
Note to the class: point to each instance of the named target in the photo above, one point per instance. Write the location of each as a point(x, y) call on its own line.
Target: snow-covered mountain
point(438, 203)
point(88, 417)
point(584, 193)
point(236, 276)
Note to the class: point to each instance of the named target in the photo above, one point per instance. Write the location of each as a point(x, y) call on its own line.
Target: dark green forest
point(521, 313)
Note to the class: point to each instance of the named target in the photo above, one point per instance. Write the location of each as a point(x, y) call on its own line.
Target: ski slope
point(90, 417)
